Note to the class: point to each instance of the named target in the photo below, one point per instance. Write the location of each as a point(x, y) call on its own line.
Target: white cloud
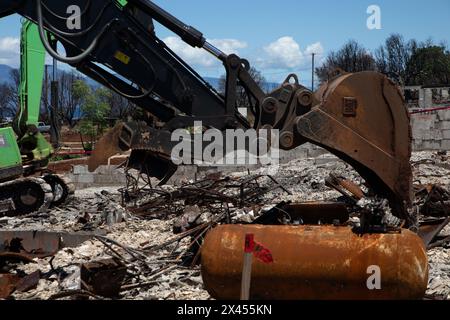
point(9, 50)
point(283, 55)
point(229, 46)
point(199, 57)
point(9, 44)
point(286, 53)
point(314, 48)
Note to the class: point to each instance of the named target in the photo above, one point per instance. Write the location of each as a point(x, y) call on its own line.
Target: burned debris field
point(149, 246)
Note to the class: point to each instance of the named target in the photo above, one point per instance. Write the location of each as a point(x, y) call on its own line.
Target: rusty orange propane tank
point(316, 262)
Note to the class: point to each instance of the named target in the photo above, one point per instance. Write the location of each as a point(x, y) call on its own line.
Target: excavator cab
point(11, 159)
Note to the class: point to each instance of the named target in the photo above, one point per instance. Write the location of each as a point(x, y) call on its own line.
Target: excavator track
point(62, 187)
point(24, 196)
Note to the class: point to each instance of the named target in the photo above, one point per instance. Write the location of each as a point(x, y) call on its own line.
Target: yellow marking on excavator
point(122, 57)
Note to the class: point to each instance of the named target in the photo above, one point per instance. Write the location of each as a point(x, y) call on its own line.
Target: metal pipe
point(215, 51)
point(53, 53)
point(188, 33)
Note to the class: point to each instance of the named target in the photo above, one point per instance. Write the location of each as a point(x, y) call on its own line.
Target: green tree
point(352, 57)
point(429, 65)
point(68, 102)
point(8, 107)
point(94, 108)
point(393, 57)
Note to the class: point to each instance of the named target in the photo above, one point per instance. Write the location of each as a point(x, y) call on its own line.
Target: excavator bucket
point(150, 151)
point(362, 119)
point(106, 147)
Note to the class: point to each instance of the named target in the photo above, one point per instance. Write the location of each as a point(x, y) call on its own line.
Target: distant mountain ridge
point(5, 77)
point(215, 82)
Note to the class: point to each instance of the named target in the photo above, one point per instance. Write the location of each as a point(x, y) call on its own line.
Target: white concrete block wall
point(445, 145)
point(103, 176)
point(444, 125)
point(431, 131)
point(444, 115)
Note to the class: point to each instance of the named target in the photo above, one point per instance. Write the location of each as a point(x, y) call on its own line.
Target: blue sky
point(277, 37)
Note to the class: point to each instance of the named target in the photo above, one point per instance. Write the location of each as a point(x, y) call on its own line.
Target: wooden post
point(247, 268)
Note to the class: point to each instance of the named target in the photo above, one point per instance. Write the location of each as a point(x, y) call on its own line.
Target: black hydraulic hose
point(81, 33)
point(145, 93)
point(118, 91)
point(55, 54)
point(175, 72)
point(86, 53)
point(88, 5)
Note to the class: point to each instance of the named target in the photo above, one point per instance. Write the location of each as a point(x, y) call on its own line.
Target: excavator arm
point(25, 184)
point(31, 142)
point(358, 117)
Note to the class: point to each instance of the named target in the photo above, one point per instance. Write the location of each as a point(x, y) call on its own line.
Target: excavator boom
point(358, 117)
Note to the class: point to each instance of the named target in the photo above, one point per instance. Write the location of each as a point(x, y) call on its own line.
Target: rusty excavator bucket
point(106, 147)
point(362, 119)
point(359, 117)
point(150, 150)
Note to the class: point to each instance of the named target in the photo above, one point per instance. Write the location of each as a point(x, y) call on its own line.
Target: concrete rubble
point(161, 264)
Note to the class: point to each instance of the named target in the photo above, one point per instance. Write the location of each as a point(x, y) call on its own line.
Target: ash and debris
point(152, 252)
point(431, 168)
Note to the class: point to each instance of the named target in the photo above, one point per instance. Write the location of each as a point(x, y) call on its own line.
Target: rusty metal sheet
point(428, 230)
point(29, 282)
point(103, 277)
point(14, 256)
point(7, 284)
point(315, 262)
point(105, 148)
point(346, 187)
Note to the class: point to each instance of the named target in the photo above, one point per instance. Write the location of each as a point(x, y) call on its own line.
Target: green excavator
point(26, 185)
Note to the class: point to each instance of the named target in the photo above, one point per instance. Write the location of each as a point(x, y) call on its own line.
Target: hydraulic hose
point(81, 33)
point(118, 91)
point(55, 54)
point(86, 7)
point(88, 51)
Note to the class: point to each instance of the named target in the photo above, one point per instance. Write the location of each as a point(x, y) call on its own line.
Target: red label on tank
point(262, 253)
